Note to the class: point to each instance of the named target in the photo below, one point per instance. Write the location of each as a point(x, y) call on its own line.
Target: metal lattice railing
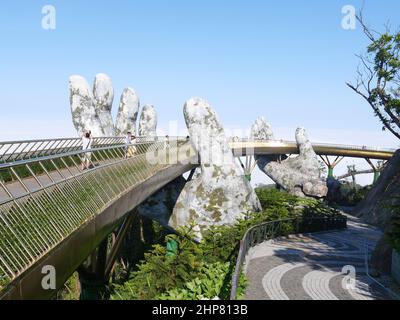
point(13, 151)
point(273, 229)
point(44, 199)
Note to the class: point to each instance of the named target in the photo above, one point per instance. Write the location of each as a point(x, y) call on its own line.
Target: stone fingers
point(103, 94)
point(127, 112)
point(148, 122)
point(84, 115)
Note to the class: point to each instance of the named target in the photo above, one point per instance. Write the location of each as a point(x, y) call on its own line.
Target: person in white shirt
point(86, 145)
point(128, 138)
point(128, 141)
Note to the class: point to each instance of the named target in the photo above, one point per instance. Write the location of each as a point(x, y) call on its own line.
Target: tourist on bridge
point(130, 148)
point(87, 140)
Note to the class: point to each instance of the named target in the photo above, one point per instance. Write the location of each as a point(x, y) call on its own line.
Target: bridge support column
point(191, 174)
point(330, 172)
point(377, 174)
point(248, 168)
point(376, 168)
point(91, 277)
point(352, 172)
point(331, 165)
point(94, 274)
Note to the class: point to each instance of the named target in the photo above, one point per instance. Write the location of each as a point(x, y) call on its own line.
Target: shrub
point(204, 271)
point(159, 272)
point(214, 282)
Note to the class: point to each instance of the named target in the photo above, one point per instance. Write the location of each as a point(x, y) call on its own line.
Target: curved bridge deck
point(54, 213)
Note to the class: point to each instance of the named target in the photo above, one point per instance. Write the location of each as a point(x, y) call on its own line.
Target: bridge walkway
point(314, 266)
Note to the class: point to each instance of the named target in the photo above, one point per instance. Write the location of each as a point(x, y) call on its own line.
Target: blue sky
point(285, 60)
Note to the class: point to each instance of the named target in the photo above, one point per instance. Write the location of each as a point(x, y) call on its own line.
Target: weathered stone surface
point(92, 110)
point(381, 259)
point(148, 122)
point(221, 194)
point(300, 176)
point(395, 270)
point(159, 206)
point(376, 207)
point(261, 130)
point(103, 93)
point(127, 112)
point(84, 115)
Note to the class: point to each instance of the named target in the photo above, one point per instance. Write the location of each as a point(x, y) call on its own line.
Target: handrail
point(65, 197)
point(273, 229)
point(117, 150)
point(12, 151)
point(74, 153)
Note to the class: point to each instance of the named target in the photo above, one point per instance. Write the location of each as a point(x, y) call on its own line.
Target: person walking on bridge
point(86, 145)
point(128, 142)
point(130, 148)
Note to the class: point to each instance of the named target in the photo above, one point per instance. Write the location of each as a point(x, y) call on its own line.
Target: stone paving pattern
point(310, 267)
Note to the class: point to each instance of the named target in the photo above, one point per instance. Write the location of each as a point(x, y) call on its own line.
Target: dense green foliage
point(204, 271)
point(354, 196)
point(70, 290)
point(213, 281)
point(160, 272)
point(349, 195)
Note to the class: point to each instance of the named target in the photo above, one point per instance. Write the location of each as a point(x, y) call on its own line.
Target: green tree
point(378, 76)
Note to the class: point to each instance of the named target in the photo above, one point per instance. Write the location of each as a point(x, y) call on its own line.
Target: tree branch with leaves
point(378, 76)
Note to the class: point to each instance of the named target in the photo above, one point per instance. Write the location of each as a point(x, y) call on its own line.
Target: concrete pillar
point(376, 176)
point(92, 288)
point(330, 172)
point(92, 277)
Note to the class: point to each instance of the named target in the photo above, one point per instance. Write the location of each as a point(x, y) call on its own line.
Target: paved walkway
point(320, 266)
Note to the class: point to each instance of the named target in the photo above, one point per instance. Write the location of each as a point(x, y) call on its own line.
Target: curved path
point(320, 266)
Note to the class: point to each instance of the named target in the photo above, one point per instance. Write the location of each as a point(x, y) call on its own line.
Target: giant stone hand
point(301, 175)
point(91, 111)
point(220, 194)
